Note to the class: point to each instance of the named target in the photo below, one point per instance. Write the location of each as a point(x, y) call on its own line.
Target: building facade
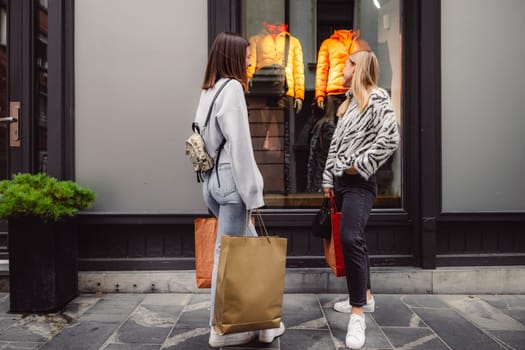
point(104, 92)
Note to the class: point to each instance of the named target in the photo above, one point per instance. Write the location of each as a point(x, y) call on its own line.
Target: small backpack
point(196, 149)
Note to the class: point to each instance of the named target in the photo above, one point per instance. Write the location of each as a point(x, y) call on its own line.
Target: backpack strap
point(213, 101)
point(195, 128)
point(219, 149)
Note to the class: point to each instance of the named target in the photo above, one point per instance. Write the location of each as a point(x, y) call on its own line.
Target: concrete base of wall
point(395, 280)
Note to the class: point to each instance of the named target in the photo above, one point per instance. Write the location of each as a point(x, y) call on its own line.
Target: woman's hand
point(351, 171)
point(328, 192)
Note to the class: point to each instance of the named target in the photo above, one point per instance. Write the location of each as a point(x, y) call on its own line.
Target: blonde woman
point(365, 137)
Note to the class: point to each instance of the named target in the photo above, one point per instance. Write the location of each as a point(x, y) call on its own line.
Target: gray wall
point(483, 118)
point(139, 66)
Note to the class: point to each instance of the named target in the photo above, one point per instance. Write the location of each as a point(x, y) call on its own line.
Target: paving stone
point(79, 306)
point(84, 335)
point(34, 328)
point(149, 324)
point(111, 309)
point(518, 315)
point(131, 347)
point(511, 305)
point(482, 313)
point(6, 323)
point(307, 340)
point(168, 299)
point(196, 314)
point(302, 311)
point(19, 345)
point(451, 327)
point(505, 302)
point(413, 338)
point(428, 301)
point(516, 339)
point(391, 311)
point(4, 304)
point(187, 339)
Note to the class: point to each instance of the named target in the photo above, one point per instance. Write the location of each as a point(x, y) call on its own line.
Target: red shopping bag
point(333, 250)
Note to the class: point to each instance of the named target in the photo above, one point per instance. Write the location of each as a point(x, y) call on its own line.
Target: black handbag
point(270, 80)
point(322, 223)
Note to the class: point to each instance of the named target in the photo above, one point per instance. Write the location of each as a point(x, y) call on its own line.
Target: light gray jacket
point(229, 119)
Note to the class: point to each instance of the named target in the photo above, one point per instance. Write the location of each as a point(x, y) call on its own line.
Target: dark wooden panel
point(461, 239)
point(136, 245)
point(146, 246)
point(155, 244)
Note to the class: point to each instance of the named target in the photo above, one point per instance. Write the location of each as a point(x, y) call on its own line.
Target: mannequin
point(331, 60)
point(267, 48)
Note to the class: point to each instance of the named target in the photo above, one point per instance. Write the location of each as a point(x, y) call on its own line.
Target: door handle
point(13, 119)
point(8, 119)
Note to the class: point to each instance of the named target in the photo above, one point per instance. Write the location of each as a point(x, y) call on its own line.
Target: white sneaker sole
point(231, 339)
point(268, 335)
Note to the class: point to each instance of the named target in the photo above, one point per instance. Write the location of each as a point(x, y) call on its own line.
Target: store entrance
point(23, 92)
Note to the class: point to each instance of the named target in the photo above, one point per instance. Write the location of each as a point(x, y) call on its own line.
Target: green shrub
point(41, 196)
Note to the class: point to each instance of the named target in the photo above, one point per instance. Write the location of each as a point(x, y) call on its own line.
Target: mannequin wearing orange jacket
point(331, 60)
point(267, 48)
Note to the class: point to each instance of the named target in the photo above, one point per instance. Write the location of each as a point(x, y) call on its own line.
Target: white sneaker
point(216, 340)
point(268, 335)
point(345, 307)
point(355, 336)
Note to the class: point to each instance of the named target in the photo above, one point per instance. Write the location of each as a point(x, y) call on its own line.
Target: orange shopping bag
point(205, 237)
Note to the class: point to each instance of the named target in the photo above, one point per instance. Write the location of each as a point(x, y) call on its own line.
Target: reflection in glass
point(41, 86)
point(291, 129)
point(4, 127)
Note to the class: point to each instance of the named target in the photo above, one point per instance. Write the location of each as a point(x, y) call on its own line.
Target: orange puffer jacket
point(266, 50)
point(331, 60)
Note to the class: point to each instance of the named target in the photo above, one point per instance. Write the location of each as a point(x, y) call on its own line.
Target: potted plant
point(42, 240)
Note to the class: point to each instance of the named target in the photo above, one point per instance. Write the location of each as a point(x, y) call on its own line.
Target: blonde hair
point(366, 75)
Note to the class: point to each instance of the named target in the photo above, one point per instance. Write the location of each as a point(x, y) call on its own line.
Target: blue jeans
point(226, 204)
point(355, 200)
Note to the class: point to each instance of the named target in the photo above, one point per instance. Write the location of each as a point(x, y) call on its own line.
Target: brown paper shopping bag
point(250, 283)
point(205, 237)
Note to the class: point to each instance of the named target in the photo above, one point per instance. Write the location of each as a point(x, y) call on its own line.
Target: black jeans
point(355, 196)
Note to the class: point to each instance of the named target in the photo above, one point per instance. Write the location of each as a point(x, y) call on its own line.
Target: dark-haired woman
point(235, 188)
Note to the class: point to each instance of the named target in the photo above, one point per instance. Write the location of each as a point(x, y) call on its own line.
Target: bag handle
point(333, 206)
point(286, 49)
point(261, 223)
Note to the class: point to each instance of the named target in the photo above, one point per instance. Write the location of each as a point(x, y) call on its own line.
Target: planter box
point(43, 272)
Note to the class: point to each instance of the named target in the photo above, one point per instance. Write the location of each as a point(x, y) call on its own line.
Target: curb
point(395, 280)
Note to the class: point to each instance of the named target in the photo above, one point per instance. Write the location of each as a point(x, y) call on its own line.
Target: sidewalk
point(179, 322)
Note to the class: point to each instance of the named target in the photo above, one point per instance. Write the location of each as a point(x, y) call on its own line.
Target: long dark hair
point(227, 60)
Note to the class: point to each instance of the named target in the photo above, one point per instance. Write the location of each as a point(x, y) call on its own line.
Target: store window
point(41, 85)
point(4, 126)
point(292, 110)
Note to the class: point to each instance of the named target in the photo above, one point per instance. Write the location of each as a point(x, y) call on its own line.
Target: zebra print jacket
point(363, 140)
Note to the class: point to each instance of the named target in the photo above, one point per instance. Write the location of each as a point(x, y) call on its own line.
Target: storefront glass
point(41, 86)
point(4, 126)
point(292, 120)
